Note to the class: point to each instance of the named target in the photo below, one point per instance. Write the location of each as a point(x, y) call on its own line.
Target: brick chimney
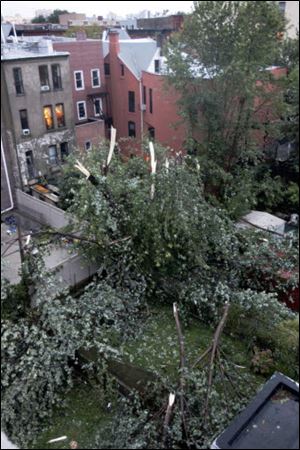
point(114, 45)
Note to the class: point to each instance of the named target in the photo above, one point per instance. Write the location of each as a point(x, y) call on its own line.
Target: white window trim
point(82, 79)
point(85, 145)
point(101, 106)
point(77, 104)
point(95, 85)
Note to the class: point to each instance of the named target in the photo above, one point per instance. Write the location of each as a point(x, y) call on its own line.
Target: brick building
point(90, 102)
point(140, 105)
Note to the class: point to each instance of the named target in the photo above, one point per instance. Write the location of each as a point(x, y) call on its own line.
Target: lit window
point(79, 82)
point(48, 117)
point(52, 151)
point(95, 77)
point(81, 110)
point(60, 115)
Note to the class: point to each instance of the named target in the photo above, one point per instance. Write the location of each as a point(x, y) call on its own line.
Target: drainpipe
point(7, 179)
point(142, 112)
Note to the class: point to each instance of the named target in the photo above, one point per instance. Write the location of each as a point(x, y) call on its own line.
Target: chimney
point(114, 45)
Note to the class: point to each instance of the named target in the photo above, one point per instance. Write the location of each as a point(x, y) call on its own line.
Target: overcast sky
point(27, 8)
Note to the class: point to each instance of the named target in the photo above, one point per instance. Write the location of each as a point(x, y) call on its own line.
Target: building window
point(24, 119)
point(60, 115)
point(106, 69)
point(122, 70)
point(29, 163)
point(88, 145)
point(79, 81)
point(144, 95)
point(131, 101)
point(98, 107)
point(56, 76)
point(282, 7)
point(64, 150)
point(95, 75)
point(18, 81)
point(48, 117)
point(52, 152)
point(44, 77)
point(81, 110)
point(156, 65)
point(151, 100)
point(151, 132)
point(131, 129)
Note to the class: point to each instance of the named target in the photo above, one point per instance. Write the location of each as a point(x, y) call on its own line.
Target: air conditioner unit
point(45, 88)
point(26, 131)
point(143, 107)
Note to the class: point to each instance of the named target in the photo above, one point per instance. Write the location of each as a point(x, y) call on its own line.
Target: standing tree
point(222, 55)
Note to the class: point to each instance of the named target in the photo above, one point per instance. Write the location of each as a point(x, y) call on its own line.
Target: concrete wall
point(74, 270)
point(42, 212)
point(292, 15)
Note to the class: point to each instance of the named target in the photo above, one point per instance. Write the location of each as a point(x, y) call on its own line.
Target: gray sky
point(27, 8)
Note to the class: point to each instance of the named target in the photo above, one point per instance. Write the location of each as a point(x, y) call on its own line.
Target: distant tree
point(220, 55)
point(54, 17)
point(39, 19)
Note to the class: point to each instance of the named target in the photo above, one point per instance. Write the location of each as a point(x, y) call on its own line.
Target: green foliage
point(39, 19)
point(172, 246)
point(220, 45)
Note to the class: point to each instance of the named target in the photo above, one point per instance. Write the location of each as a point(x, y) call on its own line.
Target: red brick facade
point(85, 56)
point(163, 121)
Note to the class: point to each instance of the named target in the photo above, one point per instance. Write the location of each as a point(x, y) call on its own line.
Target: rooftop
point(26, 50)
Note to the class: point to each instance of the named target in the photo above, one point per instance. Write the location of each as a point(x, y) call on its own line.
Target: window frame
point(52, 117)
point(47, 76)
point(82, 80)
point(101, 106)
point(131, 101)
point(151, 100)
point(26, 119)
point(63, 113)
point(157, 66)
point(92, 78)
point(56, 155)
point(107, 69)
point(88, 145)
point(19, 82)
point(77, 106)
point(130, 122)
point(59, 77)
